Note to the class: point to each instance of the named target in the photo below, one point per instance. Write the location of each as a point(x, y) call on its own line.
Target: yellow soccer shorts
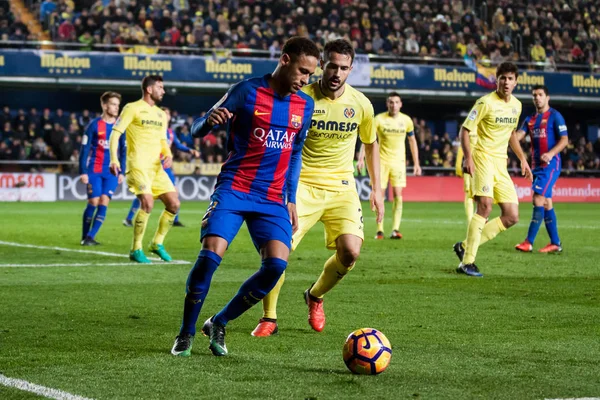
point(491, 179)
point(394, 174)
point(340, 213)
point(154, 181)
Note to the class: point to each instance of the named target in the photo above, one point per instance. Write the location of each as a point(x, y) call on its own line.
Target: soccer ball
point(367, 351)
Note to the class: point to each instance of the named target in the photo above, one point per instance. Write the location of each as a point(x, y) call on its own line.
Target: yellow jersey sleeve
point(410, 127)
point(366, 129)
point(127, 115)
point(477, 113)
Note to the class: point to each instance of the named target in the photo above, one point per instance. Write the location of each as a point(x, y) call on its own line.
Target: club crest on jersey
point(349, 112)
point(296, 121)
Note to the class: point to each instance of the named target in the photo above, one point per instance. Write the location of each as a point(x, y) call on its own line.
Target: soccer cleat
point(396, 234)
point(316, 315)
point(525, 247)
point(216, 334)
point(127, 223)
point(459, 250)
point(551, 248)
point(379, 235)
point(88, 241)
point(266, 327)
point(179, 224)
point(139, 256)
point(469, 269)
point(160, 251)
point(183, 345)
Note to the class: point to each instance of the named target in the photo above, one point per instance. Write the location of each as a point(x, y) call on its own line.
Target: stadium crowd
point(55, 135)
point(548, 32)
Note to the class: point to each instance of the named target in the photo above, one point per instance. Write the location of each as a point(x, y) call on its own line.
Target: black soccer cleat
point(469, 269)
point(216, 334)
point(459, 250)
point(127, 223)
point(179, 224)
point(183, 345)
point(88, 241)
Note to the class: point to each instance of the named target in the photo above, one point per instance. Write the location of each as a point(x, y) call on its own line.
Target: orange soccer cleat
point(379, 235)
point(525, 247)
point(266, 327)
point(316, 315)
point(396, 235)
point(551, 248)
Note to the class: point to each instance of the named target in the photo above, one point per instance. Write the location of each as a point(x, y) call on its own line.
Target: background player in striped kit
point(94, 160)
point(267, 119)
point(172, 140)
point(548, 133)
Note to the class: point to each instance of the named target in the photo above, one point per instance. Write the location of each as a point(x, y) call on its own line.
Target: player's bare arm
point(465, 143)
point(376, 198)
point(560, 146)
point(414, 151)
point(515, 145)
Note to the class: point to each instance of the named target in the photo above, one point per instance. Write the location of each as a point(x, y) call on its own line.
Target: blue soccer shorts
point(101, 184)
point(266, 220)
point(171, 174)
point(544, 179)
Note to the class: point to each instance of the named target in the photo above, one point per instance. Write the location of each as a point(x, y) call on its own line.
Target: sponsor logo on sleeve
point(473, 115)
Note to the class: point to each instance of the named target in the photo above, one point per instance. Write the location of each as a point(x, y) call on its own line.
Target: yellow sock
point(491, 230)
point(333, 272)
point(165, 222)
point(397, 213)
point(469, 208)
point(473, 238)
point(270, 300)
point(380, 226)
point(139, 227)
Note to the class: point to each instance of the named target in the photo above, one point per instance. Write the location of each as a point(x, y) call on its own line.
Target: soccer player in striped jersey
point(548, 133)
point(172, 140)
point(94, 160)
point(327, 189)
point(266, 119)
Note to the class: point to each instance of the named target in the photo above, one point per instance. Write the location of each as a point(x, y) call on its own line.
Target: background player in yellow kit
point(327, 190)
point(145, 125)
point(495, 117)
point(392, 128)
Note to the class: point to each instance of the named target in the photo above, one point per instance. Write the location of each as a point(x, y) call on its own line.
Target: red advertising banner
point(450, 188)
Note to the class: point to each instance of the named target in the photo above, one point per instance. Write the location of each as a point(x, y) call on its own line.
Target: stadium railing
point(149, 50)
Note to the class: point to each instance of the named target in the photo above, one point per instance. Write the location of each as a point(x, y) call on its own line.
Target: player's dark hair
point(149, 81)
point(394, 94)
point(106, 96)
point(541, 87)
point(340, 46)
point(507, 68)
point(297, 46)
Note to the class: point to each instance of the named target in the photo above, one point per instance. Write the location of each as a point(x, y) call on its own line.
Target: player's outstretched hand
point(84, 178)
point(526, 171)
point(468, 166)
point(114, 169)
point(376, 199)
point(220, 116)
point(546, 157)
point(293, 216)
point(417, 170)
point(167, 162)
point(195, 153)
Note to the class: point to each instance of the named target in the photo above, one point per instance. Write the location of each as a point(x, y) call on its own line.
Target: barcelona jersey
point(264, 139)
point(94, 156)
point(545, 130)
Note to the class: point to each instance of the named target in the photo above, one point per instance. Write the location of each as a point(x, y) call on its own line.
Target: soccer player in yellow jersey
point(144, 125)
point(392, 128)
point(495, 118)
point(467, 179)
point(327, 190)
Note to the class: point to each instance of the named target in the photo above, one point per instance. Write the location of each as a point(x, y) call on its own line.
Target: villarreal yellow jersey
point(391, 133)
point(328, 153)
point(494, 120)
point(145, 127)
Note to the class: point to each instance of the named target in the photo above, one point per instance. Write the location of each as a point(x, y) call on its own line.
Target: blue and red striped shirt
point(94, 155)
point(264, 139)
point(545, 130)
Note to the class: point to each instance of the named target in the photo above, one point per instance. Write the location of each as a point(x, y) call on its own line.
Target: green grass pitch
point(528, 330)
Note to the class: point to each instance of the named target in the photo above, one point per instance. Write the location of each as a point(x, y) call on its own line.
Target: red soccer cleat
point(266, 327)
point(551, 248)
point(379, 235)
point(316, 315)
point(525, 247)
point(396, 235)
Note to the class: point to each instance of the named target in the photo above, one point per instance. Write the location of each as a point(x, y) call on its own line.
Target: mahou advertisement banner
point(27, 187)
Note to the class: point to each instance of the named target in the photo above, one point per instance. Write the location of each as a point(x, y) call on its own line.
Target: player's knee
point(484, 209)
point(348, 257)
point(94, 202)
point(548, 204)
point(174, 205)
point(510, 220)
point(274, 267)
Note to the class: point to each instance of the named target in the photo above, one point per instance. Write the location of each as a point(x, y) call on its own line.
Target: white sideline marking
point(130, 264)
point(100, 253)
point(578, 398)
point(38, 389)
